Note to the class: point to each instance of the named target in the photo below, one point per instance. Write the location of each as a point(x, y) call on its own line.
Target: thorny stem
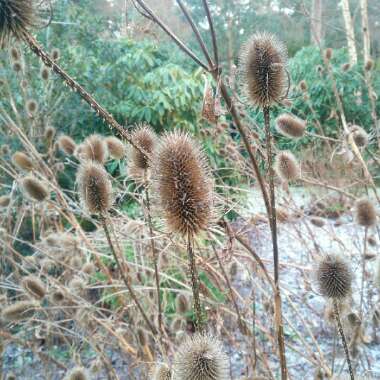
point(344, 342)
point(155, 256)
point(363, 272)
point(125, 278)
point(273, 224)
point(195, 285)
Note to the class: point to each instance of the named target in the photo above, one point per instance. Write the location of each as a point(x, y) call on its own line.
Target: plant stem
point(195, 285)
point(344, 342)
point(273, 225)
point(124, 277)
point(363, 273)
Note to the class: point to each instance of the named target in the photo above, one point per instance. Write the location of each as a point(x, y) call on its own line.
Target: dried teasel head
point(19, 311)
point(34, 188)
point(365, 213)
point(77, 373)
point(161, 372)
point(16, 16)
point(183, 183)
point(201, 357)
point(49, 133)
point(95, 149)
point(286, 166)
point(360, 136)
point(5, 149)
point(45, 73)
point(334, 277)
point(17, 66)
point(95, 187)
point(31, 106)
point(369, 65)
point(290, 126)
point(317, 221)
point(5, 200)
point(328, 53)
point(116, 147)
point(263, 65)
point(66, 144)
point(55, 54)
point(14, 53)
point(21, 160)
point(303, 85)
point(144, 138)
point(346, 66)
point(34, 286)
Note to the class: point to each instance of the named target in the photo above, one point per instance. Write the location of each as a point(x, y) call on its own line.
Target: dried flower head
point(31, 106)
point(161, 372)
point(66, 144)
point(290, 125)
point(17, 66)
point(95, 187)
point(369, 65)
point(346, 66)
point(21, 160)
point(360, 136)
point(19, 311)
point(57, 296)
point(334, 277)
point(328, 53)
point(116, 148)
point(286, 166)
point(45, 73)
point(200, 357)
point(77, 373)
point(5, 200)
point(316, 221)
point(15, 54)
point(49, 133)
point(34, 286)
point(303, 85)
point(95, 149)
point(16, 16)
point(5, 149)
point(34, 188)
point(263, 61)
point(365, 213)
point(55, 54)
point(183, 184)
point(144, 138)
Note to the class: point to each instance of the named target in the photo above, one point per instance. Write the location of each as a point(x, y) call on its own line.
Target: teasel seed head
point(45, 73)
point(31, 106)
point(369, 65)
point(316, 221)
point(201, 357)
point(346, 66)
point(77, 373)
point(49, 133)
point(328, 53)
point(303, 85)
point(360, 136)
point(161, 372)
point(34, 286)
point(181, 304)
point(57, 296)
point(286, 166)
point(95, 187)
point(95, 149)
point(15, 54)
point(263, 65)
point(22, 161)
point(144, 138)
point(34, 188)
point(116, 148)
point(5, 200)
point(365, 213)
point(55, 54)
point(19, 311)
point(290, 126)
point(16, 16)
point(17, 66)
point(5, 149)
point(66, 144)
point(334, 277)
point(183, 183)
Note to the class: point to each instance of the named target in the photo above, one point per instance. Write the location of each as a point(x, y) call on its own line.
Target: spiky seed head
point(16, 16)
point(286, 166)
point(15, 54)
point(95, 188)
point(334, 277)
point(66, 144)
point(55, 54)
point(5, 200)
point(116, 148)
point(360, 136)
point(19, 311)
point(34, 286)
point(290, 126)
point(201, 357)
point(303, 85)
point(77, 285)
point(181, 304)
point(17, 66)
point(369, 65)
point(24, 84)
point(144, 138)
point(95, 149)
point(34, 188)
point(316, 221)
point(22, 161)
point(31, 106)
point(346, 66)
point(263, 65)
point(328, 53)
point(161, 372)
point(365, 213)
point(45, 73)
point(49, 133)
point(184, 185)
point(57, 296)
point(77, 373)
point(5, 149)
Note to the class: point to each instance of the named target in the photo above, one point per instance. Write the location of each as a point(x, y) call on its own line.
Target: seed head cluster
point(286, 166)
point(95, 149)
point(365, 213)
point(290, 126)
